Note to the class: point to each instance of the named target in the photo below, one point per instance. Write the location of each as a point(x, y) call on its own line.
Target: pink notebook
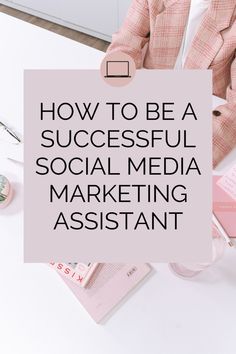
point(108, 287)
point(224, 207)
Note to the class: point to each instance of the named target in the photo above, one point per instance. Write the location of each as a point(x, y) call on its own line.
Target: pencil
point(222, 230)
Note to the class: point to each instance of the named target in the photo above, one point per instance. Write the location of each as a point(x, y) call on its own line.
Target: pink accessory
point(79, 273)
point(188, 270)
point(5, 192)
point(224, 224)
point(224, 206)
point(228, 183)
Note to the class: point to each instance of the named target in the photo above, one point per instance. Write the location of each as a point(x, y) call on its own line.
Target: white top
point(196, 13)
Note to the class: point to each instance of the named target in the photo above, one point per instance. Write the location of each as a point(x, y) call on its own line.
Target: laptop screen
point(117, 68)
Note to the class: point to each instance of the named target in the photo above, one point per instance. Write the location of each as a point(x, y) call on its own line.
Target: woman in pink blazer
point(152, 34)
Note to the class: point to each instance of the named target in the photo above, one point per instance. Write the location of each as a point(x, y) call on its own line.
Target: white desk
point(38, 313)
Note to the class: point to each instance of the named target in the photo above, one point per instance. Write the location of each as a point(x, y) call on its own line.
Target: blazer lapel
point(169, 30)
point(168, 3)
point(208, 40)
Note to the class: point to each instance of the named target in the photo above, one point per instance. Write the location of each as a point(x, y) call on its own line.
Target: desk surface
point(39, 314)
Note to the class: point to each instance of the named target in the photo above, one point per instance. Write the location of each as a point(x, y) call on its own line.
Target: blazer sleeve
point(134, 33)
point(224, 122)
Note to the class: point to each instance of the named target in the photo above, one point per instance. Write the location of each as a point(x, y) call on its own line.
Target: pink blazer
point(152, 34)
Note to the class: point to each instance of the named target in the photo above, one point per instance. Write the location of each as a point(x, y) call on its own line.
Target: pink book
point(224, 206)
point(108, 286)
